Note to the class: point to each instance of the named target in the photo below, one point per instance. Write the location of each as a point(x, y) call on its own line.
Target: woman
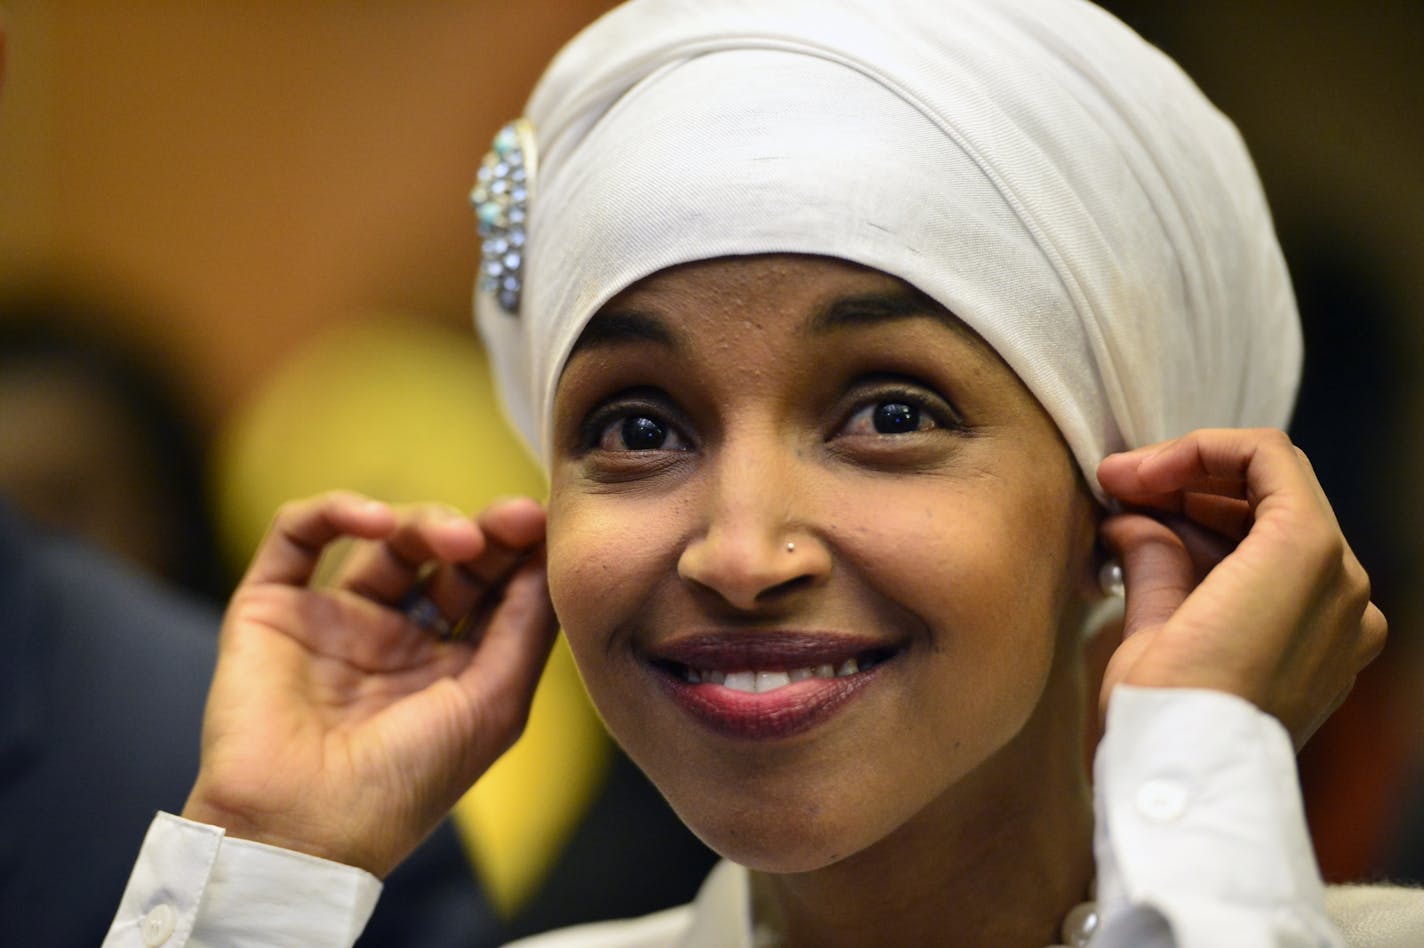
point(828, 320)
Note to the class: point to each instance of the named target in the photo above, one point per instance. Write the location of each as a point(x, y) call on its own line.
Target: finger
point(469, 591)
point(1374, 633)
point(1205, 547)
point(1290, 515)
point(1158, 569)
point(1261, 466)
point(1231, 518)
point(509, 658)
point(463, 594)
point(514, 528)
point(440, 568)
point(513, 531)
point(1174, 499)
point(302, 529)
point(1228, 517)
point(385, 570)
point(1208, 460)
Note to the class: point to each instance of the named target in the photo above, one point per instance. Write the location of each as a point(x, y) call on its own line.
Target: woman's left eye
point(890, 415)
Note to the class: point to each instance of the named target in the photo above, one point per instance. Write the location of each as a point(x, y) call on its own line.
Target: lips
point(766, 685)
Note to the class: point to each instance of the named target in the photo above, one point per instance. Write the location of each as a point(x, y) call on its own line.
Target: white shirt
point(1201, 842)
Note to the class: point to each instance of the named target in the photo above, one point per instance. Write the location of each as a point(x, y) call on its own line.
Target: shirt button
point(1162, 800)
point(157, 925)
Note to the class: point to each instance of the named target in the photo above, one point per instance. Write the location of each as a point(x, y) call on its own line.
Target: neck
point(999, 860)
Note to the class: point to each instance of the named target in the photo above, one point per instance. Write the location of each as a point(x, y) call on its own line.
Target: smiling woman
point(859, 339)
point(932, 608)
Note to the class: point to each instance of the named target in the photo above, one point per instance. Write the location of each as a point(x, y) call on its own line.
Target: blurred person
point(101, 697)
point(101, 700)
point(96, 440)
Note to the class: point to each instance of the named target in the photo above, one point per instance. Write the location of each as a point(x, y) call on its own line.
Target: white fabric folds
point(1033, 165)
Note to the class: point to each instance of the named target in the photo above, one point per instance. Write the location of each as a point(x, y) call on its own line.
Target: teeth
point(760, 682)
point(741, 681)
point(770, 681)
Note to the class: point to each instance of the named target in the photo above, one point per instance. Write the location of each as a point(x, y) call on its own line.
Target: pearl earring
point(1111, 581)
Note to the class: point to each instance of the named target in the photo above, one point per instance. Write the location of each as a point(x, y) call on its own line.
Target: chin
point(792, 835)
point(763, 850)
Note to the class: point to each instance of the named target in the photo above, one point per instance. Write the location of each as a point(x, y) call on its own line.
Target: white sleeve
point(193, 886)
point(1201, 838)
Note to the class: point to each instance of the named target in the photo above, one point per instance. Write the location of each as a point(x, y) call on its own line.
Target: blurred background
point(236, 260)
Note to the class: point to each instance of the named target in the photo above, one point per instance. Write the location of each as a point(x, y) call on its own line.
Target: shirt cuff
point(194, 886)
point(1200, 821)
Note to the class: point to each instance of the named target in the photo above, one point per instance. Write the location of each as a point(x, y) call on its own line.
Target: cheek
point(988, 573)
point(603, 559)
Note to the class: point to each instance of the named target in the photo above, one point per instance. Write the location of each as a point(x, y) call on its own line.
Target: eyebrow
point(850, 312)
point(615, 327)
point(611, 328)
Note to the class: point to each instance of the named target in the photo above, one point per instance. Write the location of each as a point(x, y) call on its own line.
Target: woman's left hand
point(1238, 577)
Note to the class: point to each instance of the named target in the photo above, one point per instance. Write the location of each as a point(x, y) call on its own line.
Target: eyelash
point(623, 408)
point(653, 405)
point(937, 410)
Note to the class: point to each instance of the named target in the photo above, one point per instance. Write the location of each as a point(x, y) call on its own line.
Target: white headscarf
point(1033, 165)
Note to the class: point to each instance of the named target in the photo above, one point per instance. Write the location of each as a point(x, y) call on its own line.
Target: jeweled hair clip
point(501, 202)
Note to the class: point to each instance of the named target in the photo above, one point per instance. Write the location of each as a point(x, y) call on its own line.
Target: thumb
point(1157, 568)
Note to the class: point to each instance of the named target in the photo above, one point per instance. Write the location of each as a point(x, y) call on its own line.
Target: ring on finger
point(419, 608)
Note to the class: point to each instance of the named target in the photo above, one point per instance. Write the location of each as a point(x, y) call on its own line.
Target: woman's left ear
point(1102, 588)
point(1090, 576)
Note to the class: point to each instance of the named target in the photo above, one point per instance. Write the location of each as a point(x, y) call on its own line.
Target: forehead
point(813, 296)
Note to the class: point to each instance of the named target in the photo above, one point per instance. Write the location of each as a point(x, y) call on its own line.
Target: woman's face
point(817, 550)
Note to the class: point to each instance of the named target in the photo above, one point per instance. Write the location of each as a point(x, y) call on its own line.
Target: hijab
point(1034, 166)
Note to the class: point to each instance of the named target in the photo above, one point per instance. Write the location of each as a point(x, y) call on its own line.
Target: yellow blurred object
point(405, 412)
point(517, 818)
point(400, 412)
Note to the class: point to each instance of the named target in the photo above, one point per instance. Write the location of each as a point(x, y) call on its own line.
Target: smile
point(766, 686)
point(762, 682)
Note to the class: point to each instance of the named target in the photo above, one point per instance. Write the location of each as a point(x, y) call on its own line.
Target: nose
point(758, 543)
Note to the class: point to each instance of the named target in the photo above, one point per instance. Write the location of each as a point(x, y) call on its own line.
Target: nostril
point(784, 588)
point(748, 566)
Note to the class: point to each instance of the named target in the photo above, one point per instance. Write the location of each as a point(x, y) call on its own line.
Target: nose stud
point(790, 546)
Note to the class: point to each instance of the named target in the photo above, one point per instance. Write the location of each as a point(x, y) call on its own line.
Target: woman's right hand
point(339, 726)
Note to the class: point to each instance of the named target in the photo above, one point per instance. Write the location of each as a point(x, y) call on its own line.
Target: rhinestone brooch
point(501, 202)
